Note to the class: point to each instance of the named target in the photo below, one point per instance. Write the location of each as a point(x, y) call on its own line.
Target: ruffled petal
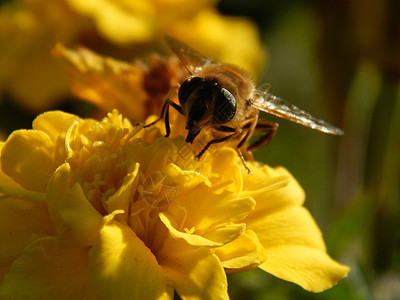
point(186, 180)
point(54, 123)
point(46, 271)
point(120, 199)
point(122, 267)
point(207, 219)
point(206, 210)
point(192, 239)
point(58, 186)
point(195, 272)
point(312, 269)
point(225, 233)
point(27, 157)
point(241, 253)
point(10, 188)
point(78, 222)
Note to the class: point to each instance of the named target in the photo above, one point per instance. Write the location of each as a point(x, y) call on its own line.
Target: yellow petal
point(46, 271)
point(105, 82)
point(210, 215)
point(58, 186)
point(20, 222)
point(242, 252)
point(5, 179)
point(157, 155)
point(195, 272)
point(295, 249)
point(310, 268)
point(27, 157)
point(186, 180)
point(265, 178)
point(227, 171)
point(10, 188)
point(192, 239)
point(120, 199)
point(272, 188)
point(120, 22)
point(291, 226)
point(78, 222)
point(122, 267)
point(206, 210)
point(54, 123)
point(225, 233)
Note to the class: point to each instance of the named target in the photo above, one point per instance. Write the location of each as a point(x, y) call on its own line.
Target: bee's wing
point(191, 59)
point(276, 106)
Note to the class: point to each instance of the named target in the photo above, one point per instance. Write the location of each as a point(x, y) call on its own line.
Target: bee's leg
point(178, 108)
point(165, 104)
point(215, 141)
point(165, 115)
point(263, 126)
point(247, 153)
point(165, 110)
point(246, 136)
point(250, 126)
point(240, 154)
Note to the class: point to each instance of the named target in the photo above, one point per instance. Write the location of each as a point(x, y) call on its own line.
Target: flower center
point(98, 158)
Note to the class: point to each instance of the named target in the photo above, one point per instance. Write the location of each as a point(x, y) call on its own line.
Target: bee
point(224, 98)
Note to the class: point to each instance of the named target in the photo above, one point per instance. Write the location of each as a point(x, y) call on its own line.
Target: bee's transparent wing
point(191, 59)
point(276, 106)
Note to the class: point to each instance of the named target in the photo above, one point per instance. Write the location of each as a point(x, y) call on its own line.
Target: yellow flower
point(104, 209)
point(124, 21)
point(110, 84)
point(29, 29)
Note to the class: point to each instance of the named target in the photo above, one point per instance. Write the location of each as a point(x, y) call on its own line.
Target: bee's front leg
point(214, 141)
point(165, 115)
point(165, 110)
point(178, 108)
point(267, 127)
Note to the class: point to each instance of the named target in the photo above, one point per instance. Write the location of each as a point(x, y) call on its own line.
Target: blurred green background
point(340, 61)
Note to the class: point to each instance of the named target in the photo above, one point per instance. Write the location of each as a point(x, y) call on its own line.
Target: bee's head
point(205, 102)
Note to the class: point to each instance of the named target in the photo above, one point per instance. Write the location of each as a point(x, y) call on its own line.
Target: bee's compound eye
point(225, 107)
point(187, 87)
